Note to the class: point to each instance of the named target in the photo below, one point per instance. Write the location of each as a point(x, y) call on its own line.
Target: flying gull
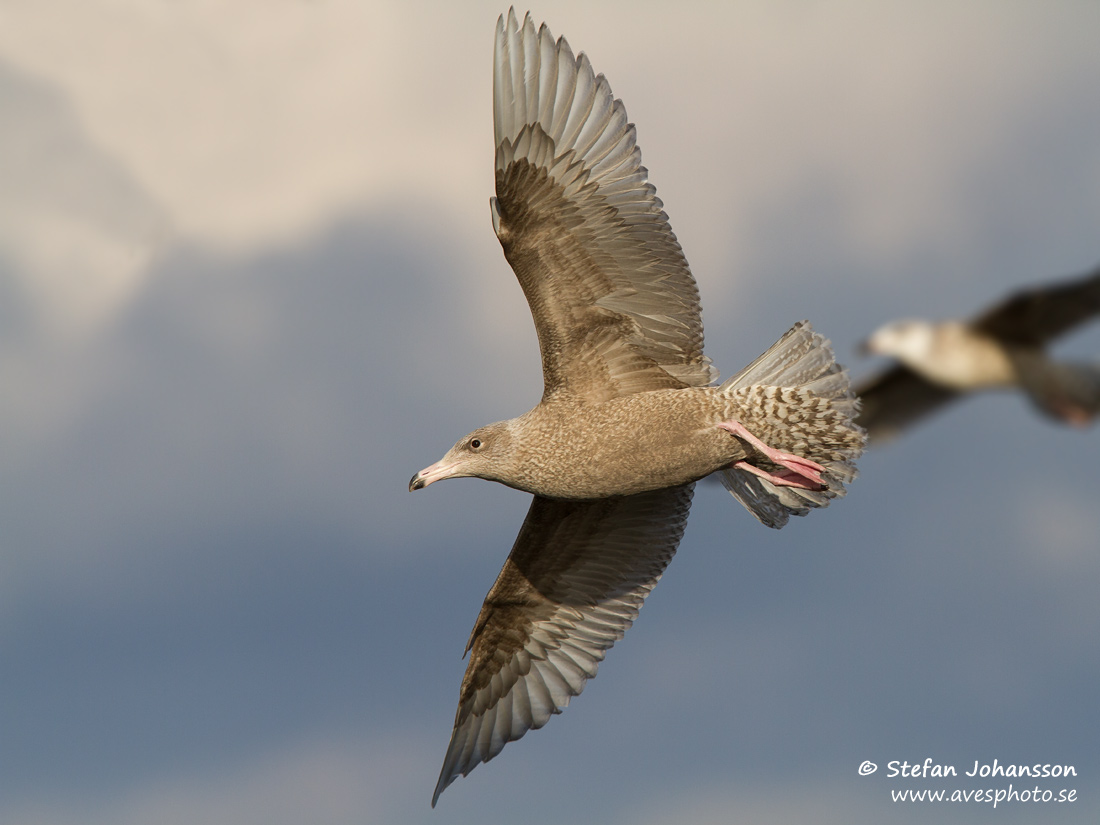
point(630, 416)
point(1004, 347)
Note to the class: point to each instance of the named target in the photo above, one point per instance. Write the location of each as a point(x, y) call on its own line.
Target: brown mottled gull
point(629, 418)
point(1004, 347)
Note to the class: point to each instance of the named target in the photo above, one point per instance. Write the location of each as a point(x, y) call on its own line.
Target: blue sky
point(248, 285)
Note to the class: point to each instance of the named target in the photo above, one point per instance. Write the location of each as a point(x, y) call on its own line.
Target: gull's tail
point(797, 399)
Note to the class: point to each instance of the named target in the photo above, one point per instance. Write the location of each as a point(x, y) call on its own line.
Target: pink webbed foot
point(800, 472)
point(784, 478)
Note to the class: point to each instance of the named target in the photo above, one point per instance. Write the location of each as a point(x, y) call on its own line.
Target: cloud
point(76, 228)
point(239, 385)
point(257, 120)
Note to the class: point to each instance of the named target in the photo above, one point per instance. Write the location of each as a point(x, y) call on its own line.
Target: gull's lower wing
point(572, 585)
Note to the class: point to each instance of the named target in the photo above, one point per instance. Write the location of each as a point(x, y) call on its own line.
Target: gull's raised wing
point(571, 587)
point(614, 303)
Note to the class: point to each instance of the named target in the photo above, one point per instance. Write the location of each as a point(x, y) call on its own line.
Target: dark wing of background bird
point(896, 399)
point(1034, 317)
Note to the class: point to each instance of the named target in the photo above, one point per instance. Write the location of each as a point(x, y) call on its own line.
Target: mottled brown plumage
point(629, 419)
point(570, 448)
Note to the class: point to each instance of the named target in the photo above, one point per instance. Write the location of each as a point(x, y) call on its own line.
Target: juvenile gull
point(629, 418)
point(1002, 348)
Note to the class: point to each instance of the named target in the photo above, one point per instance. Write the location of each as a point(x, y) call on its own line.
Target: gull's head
point(907, 340)
point(478, 454)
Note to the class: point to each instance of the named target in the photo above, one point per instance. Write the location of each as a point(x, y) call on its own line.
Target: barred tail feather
point(802, 366)
point(801, 358)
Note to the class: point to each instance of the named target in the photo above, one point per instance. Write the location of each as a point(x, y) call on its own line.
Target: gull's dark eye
point(475, 444)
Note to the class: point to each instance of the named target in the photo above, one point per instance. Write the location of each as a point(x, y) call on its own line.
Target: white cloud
point(252, 120)
point(255, 119)
point(75, 228)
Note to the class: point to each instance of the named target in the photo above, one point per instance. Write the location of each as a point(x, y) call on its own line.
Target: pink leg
point(784, 478)
point(800, 472)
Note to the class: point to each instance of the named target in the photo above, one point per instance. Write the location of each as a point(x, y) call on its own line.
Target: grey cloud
point(48, 162)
